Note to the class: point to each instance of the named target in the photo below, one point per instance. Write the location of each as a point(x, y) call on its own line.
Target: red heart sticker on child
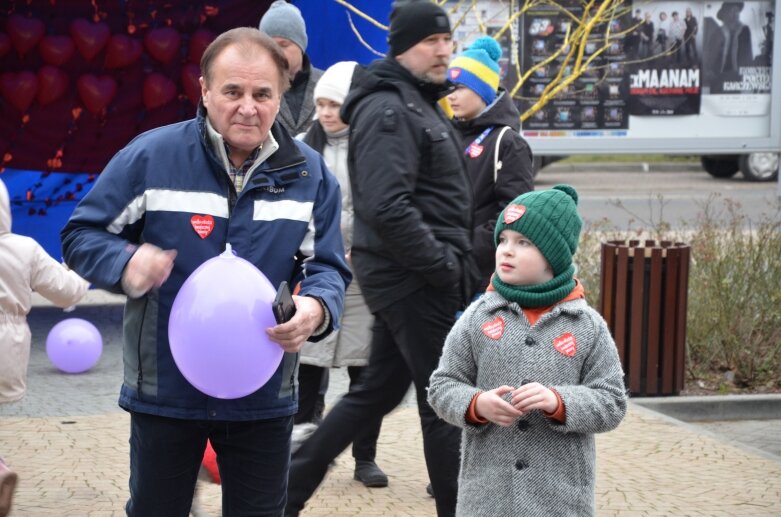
point(565, 344)
point(202, 224)
point(513, 212)
point(495, 328)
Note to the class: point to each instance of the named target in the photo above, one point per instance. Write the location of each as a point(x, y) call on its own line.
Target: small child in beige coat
point(25, 267)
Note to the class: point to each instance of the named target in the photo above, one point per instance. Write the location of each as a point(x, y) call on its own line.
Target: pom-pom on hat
point(549, 219)
point(477, 68)
point(284, 20)
point(412, 21)
point(334, 84)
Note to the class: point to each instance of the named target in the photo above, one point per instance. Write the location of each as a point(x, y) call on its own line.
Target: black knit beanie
point(412, 21)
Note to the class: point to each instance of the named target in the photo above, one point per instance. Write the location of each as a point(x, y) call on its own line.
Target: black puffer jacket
point(514, 178)
point(412, 197)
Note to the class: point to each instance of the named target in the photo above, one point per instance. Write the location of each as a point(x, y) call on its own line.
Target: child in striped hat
point(530, 371)
point(498, 159)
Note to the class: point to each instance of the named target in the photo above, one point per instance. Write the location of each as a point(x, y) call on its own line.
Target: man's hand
point(534, 396)
point(292, 334)
point(493, 408)
point(149, 267)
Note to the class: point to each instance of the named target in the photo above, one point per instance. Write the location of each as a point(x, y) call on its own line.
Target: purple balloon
point(74, 345)
point(217, 328)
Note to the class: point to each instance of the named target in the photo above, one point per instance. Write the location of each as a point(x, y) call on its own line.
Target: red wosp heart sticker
point(455, 72)
point(202, 224)
point(475, 150)
point(566, 344)
point(494, 328)
point(513, 212)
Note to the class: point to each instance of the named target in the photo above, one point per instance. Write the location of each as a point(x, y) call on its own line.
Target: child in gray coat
point(530, 372)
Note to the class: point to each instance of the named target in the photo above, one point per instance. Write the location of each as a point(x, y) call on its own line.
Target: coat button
point(523, 425)
point(530, 341)
point(520, 465)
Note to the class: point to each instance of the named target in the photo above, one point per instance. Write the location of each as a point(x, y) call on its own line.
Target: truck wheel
point(720, 166)
point(759, 166)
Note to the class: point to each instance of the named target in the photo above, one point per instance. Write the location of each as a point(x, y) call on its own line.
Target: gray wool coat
point(536, 467)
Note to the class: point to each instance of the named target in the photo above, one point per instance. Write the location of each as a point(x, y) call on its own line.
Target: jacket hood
point(387, 74)
point(5, 210)
point(501, 113)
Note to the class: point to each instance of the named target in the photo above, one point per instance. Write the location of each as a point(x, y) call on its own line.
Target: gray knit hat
point(284, 20)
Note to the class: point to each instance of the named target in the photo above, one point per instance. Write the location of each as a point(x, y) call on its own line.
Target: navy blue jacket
point(285, 222)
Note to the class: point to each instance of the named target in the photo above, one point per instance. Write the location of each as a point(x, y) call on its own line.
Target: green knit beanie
point(548, 218)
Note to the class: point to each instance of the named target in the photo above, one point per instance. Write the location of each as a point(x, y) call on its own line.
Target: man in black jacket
point(411, 245)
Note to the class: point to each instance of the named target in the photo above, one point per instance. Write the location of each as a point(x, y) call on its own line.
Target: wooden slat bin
point(643, 298)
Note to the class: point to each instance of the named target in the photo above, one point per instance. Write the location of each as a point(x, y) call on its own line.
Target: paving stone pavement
point(67, 439)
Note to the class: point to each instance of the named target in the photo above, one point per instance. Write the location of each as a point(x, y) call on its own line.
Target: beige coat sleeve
point(54, 281)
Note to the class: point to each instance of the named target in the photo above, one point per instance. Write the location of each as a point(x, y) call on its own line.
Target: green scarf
point(538, 295)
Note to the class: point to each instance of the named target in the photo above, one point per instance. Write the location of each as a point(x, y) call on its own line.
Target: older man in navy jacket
point(167, 203)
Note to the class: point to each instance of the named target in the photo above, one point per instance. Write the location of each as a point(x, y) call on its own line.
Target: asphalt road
point(629, 198)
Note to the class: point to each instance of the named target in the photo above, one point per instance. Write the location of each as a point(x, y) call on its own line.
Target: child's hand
point(493, 408)
point(534, 396)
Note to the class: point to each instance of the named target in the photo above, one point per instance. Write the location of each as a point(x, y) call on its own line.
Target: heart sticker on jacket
point(494, 328)
point(566, 344)
point(202, 224)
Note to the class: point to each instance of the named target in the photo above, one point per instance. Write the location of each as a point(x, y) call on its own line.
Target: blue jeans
point(166, 453)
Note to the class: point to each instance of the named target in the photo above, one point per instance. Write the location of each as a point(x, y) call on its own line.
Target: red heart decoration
point(96, 92)
point(52, 84)
point(5, 44)
point(513, 212)
point(494, 329)
point(19, 88)
point(90, 37)
point(162, 44)
point(192, 86)
point(122, 51)
point(198, 43)
point(56, 50)
point(24, 32)
point(202, 224)
point(566, 344)
point(158, 90)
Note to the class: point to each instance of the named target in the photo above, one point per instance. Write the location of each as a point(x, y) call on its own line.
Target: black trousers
point(166, 453)
point(310, 379)
point(407, 340)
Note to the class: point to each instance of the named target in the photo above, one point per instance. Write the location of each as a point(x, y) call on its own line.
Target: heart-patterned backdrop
point(78, 80)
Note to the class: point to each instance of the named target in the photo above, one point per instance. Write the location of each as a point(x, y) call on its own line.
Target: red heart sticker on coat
point(475, 150)
point(513, 212)
point(202, 224)
point(565, 344)
point(494, 328)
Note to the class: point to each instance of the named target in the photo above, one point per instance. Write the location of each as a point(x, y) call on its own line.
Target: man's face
point(293, 53)
point(428, 59)
point(242, 97)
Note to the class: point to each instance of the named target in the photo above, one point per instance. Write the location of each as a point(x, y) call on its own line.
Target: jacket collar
point(269, 160)
point(492, 302)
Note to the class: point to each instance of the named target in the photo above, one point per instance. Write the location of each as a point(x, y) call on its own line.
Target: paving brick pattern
point(69, 443)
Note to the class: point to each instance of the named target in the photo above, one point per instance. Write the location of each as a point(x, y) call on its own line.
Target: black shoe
point(429, 490)
point(368, 473)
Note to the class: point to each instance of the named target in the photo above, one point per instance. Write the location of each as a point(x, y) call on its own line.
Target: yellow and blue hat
point(477, 68)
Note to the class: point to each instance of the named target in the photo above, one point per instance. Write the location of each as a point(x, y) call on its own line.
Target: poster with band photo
point(665, 59)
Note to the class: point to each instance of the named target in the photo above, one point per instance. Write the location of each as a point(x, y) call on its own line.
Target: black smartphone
point(284, 308)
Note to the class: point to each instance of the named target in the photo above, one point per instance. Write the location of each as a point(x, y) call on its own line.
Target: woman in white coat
point(349, 346)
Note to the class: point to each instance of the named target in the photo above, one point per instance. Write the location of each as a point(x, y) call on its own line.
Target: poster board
point(692, 77)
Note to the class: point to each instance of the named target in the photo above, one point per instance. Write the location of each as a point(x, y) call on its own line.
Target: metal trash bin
point(643, 297)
